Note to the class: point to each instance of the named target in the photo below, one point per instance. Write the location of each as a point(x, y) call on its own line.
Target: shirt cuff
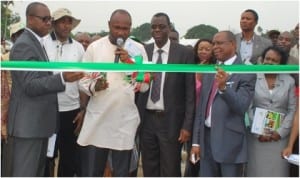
point(222, 91)
point(197, 145)
point(62, 79)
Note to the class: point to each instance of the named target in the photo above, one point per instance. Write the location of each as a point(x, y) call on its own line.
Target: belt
point(157, 113)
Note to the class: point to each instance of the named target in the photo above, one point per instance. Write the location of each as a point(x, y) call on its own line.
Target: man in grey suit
point(219, 135)
point(167, 109)
point(249, 45)
point(33, 108)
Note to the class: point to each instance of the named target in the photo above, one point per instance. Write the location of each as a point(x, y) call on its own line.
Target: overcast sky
point(224, 15)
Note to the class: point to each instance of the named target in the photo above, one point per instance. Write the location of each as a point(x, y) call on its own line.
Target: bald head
point(119, 25)
point(32, 8)
point(117, 12)
point(83, 38)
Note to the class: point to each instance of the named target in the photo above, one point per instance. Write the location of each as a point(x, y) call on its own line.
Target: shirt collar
point(251, 40)
point(53, 37)
point(40, 39)
point(165, 48)
point(229, 61)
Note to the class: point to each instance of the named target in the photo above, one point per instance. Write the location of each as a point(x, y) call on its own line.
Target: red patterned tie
point(211, 98)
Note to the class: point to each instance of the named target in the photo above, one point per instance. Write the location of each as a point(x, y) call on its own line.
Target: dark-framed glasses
point(45, 19)
point(219, 43)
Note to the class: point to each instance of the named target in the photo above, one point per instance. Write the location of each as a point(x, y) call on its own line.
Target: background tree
point(142, 32)
point(261, 32)
point(260, 29)
point(7, 18)
point(102, 33)
point(201, 31)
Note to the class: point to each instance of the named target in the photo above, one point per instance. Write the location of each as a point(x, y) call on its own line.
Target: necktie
point(211, 98)
point(156, 85)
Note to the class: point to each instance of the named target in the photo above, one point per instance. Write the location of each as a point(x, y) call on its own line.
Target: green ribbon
point(74, 66)
point(140, 75)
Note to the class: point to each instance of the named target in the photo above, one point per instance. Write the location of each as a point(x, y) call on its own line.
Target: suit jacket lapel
point(255, 48)
point(236, 61)
point(38, 45)
point(171, 58)
point(238, 41)
point(208, 79)
point(172, 54)
point(149, 50)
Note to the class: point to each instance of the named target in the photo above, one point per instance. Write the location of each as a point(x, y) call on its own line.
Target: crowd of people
point(102, 124)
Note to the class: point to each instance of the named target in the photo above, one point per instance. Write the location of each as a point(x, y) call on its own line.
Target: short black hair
point(273, 32)
point(254, 14)
point(122, 11)
point(174, 30)
point(283, 54)
point(229, 35)
point(31, 8)
point(162, 14)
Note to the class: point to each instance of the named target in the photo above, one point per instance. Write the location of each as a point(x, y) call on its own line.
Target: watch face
point(224, 89)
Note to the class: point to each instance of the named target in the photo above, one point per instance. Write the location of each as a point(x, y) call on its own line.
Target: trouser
point(93, 161)
point(210, 168)
point(26, 157)
point(69, 159)
point(161, 156)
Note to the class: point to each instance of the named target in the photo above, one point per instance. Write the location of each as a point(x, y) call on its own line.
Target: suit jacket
point(33, 109)
point(179, 92)
point(228, 131)
point(282, 100)
point(259, 45)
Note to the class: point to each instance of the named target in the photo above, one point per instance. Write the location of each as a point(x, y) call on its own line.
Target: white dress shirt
point(159, 105)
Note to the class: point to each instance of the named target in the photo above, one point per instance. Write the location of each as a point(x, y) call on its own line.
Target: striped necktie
point(156, 85)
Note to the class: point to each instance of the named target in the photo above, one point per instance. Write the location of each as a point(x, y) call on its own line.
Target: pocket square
point(229, 84)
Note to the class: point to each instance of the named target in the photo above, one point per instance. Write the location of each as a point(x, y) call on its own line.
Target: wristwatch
point(223, 90)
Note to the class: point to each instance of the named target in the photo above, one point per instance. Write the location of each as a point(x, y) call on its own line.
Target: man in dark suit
point(219, 128)
point(33, 108)
point(167, 109)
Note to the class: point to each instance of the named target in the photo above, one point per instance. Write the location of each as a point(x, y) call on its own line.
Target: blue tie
point(156, 85)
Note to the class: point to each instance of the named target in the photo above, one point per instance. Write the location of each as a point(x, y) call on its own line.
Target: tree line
point(141, 32)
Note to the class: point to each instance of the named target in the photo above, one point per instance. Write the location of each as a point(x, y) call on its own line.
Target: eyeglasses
point(45, 19)
point(219, 43)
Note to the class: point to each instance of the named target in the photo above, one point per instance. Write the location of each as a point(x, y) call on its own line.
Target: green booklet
point(266, 121)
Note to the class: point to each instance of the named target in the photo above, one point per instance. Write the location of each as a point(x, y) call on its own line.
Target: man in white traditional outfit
point(112, 117)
